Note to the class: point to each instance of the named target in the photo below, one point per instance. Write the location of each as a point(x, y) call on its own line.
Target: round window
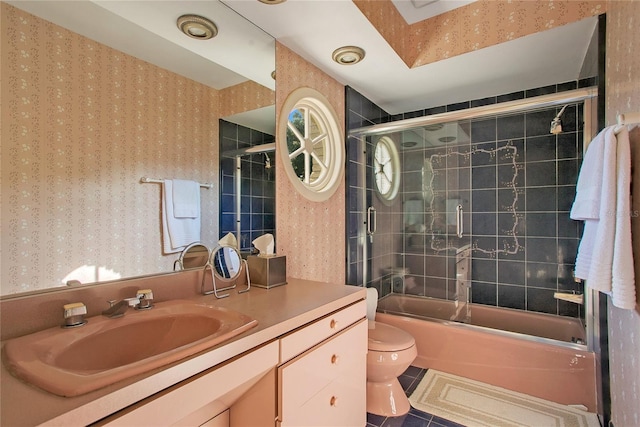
point(386, 169)
point(313, 156)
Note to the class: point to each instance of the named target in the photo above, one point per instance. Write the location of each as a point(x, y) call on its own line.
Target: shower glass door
point(477, 210)
point(417, 217)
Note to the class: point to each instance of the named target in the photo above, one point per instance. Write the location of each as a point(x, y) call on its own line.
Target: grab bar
point(459, 223)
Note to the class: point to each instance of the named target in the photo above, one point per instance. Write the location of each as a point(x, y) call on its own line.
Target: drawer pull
point(333, 401)
point(334, 359)
point(333, 323)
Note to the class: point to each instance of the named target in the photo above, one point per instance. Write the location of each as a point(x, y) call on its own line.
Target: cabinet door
point(326, 386)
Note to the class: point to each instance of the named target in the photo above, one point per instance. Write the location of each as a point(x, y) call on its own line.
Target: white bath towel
point(176, 232)
point(596, 196)
point(623, 284)
point(603, 201)
point(587, 202)
point(186, 199)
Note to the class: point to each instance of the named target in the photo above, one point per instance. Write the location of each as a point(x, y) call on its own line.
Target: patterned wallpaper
point(81, 124)
point(310, 234)
point(623, 95)
point(474, 26)
point(245, 96)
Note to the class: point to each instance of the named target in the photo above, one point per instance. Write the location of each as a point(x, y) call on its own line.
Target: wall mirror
point(196, 255)
point(73, 207)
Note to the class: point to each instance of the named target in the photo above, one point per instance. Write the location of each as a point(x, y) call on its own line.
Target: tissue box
point(267, 272)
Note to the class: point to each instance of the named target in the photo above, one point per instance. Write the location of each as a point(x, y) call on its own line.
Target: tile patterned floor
point(415, 418)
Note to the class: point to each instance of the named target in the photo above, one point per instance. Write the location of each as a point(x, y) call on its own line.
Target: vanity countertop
point(277, 310)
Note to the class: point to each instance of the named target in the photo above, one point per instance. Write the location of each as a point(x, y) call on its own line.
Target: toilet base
point(387, 399)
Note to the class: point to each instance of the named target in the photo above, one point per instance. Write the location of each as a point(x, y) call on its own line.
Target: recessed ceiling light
point(348, 55)
point(409, 144)
point(447, 139)
point(434, 128)
point(272, 1)
point(197, 27)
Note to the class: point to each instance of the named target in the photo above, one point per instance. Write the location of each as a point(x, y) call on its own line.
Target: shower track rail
point(519, 105)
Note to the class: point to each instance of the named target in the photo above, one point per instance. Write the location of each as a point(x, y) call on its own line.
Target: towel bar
point(626, 119)
point(146, 180)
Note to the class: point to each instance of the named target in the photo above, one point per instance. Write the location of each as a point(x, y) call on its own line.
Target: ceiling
point(314, 29)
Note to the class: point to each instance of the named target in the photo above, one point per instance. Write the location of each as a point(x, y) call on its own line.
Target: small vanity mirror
point(195, 255)
point(226, 262)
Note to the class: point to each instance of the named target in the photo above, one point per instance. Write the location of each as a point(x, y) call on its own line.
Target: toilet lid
point(383, 337)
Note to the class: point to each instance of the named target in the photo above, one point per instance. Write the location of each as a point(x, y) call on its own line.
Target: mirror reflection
point(85, 120)
point(195, 255)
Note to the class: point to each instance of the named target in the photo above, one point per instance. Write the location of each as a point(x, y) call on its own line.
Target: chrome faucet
point(118, 308)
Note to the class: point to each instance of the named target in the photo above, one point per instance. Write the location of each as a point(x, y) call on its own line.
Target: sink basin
point(70, 362)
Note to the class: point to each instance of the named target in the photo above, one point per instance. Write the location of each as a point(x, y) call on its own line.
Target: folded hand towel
point(176, 232)
point(186, 199)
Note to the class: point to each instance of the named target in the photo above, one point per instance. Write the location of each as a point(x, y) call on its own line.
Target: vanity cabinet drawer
point(299, 341)
point(327, 384)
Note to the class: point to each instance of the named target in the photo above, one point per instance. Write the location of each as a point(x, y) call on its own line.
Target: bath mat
point(473, 403)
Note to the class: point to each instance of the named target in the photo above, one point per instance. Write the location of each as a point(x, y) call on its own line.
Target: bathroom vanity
point(303, 364)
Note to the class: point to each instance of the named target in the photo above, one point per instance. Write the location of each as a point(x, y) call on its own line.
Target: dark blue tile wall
point(257, 203)
point(540, 169)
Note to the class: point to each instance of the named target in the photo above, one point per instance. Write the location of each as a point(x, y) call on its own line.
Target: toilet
point(391, 351)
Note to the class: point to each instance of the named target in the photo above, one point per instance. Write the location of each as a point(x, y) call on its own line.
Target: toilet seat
point(383, 337)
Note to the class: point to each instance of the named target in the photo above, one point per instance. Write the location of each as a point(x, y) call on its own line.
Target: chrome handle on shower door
point(459, 223)
point(372, 222)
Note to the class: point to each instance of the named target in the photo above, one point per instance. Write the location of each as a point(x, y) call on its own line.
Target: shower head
point(556, 123)
point(267, 161)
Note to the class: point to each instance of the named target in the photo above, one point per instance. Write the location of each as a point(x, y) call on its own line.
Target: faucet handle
point(74, 314)
point(146, 299)
point(132, 302)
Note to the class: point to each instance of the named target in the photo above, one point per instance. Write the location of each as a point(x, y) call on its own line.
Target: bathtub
point(531, 353)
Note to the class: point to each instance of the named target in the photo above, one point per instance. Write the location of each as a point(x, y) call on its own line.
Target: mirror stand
point(226, 263)
point(214, 290)
point(246, 269)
